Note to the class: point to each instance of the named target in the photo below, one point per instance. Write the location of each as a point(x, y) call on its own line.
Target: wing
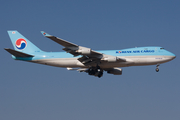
point(89, 57)
point(60, 41)
point(71, 47)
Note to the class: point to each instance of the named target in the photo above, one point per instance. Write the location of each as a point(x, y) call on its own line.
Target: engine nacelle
point(110, 59)
point(115, 71)
point(84, 50)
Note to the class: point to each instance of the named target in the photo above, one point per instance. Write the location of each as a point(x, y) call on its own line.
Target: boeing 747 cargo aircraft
point(85, 59)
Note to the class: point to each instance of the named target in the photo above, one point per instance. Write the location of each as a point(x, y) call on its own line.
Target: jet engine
point(84, 50)
point(110, 59)
point(115, 71)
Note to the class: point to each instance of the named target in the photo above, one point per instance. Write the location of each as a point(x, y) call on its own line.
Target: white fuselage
point(130, 61)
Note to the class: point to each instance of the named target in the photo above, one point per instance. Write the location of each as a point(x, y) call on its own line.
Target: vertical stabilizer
point(22, 44)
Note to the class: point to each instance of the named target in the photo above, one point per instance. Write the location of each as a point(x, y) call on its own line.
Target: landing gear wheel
point(157, 69)
point(91, 71)
point(100, 74)
point(96, 71)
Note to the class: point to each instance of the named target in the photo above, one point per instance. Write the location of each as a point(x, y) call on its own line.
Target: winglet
point(45, 34)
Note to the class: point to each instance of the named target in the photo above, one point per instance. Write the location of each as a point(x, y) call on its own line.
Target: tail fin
point(22, 44)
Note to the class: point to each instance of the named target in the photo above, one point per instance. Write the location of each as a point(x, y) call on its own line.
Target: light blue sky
point(36, 92)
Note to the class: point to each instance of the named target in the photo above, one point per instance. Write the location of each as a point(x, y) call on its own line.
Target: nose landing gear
point(157, 68)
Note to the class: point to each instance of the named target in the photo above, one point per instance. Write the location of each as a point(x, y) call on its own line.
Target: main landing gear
point(157, 68)
point(96, 71)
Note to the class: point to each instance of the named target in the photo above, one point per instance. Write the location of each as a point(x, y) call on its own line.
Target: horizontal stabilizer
point(17, 53)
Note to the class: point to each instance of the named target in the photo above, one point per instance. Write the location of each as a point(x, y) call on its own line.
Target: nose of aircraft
point(172, 56)
point(169, 56)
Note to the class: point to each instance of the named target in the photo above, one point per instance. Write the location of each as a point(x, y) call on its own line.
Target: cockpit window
point(161, 48)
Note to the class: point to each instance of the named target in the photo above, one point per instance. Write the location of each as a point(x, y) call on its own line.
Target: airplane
point(85, 59)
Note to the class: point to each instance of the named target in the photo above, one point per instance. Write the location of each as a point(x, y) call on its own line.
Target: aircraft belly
point(61, 62)
point(130, 61)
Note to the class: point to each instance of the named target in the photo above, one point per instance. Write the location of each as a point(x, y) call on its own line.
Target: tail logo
point(21, 44)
